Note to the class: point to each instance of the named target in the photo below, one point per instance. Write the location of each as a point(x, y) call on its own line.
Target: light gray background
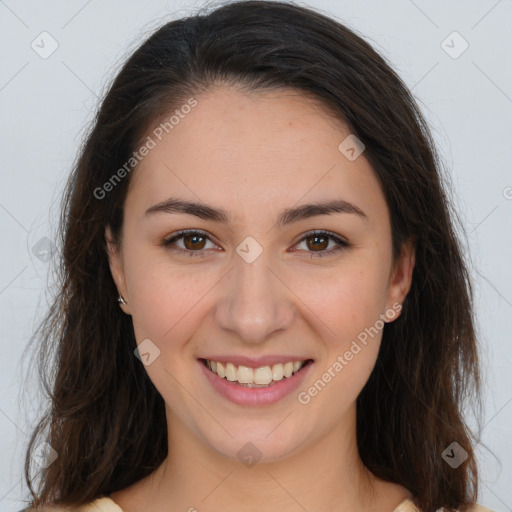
point(47, 103)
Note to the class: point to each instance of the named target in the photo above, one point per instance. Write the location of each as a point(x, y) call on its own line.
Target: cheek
point(348, 300)
point(166, 308)
point(351, 307)
point(164, 299)
point(149, 287)
point(168, 299)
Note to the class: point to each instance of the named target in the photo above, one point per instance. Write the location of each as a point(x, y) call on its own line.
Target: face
point(260, 280)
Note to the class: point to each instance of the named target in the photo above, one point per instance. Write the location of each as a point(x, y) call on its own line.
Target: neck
point(327, 475)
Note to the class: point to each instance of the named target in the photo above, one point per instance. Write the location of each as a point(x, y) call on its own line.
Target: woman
point(264, 305)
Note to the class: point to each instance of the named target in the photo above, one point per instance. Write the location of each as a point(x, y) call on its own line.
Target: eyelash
point(341, 244)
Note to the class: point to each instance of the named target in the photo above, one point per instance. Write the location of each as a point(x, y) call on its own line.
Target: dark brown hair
point(106, 420)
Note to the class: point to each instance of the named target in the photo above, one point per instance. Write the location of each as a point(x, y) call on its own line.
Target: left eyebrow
point(287, 216)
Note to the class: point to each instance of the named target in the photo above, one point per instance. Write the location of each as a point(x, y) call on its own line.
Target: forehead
point(271, 146)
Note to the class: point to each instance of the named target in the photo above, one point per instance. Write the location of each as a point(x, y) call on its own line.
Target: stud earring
point(120, 300)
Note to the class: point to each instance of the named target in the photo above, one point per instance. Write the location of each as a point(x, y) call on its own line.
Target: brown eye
point(318, 241)
point(194, 241)
point(191, 242)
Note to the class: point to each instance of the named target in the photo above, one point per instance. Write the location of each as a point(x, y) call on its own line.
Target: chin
point(266, 443)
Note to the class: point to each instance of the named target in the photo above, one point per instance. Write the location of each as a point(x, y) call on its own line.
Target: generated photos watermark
point(150, 143)
point(305, 397)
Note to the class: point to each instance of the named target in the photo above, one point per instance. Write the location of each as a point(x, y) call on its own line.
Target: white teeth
point(262, 376)
point(231, 373)
point(277, 372)
point(245, 375)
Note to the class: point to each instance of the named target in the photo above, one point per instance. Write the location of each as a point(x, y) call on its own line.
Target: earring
point(120, 300)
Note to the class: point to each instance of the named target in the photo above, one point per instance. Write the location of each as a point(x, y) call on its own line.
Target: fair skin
point(254, 155)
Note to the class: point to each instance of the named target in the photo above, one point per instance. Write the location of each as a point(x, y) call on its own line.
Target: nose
point(256, 301)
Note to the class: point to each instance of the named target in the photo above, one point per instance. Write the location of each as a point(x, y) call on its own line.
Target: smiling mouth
point(262, 377)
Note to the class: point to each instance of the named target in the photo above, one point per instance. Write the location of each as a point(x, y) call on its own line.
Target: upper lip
point(256, 362)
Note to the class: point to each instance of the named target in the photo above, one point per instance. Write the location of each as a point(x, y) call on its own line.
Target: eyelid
point(325, 232)
point(341, 242)
point(180, 234)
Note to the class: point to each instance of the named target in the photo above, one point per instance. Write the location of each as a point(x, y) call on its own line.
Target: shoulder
point(409, 506)
point(104, 504)
point(475, 507)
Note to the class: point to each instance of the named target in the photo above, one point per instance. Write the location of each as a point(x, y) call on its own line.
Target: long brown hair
point(106, 420)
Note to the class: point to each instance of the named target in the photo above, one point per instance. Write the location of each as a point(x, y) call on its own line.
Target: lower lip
point(255, 396)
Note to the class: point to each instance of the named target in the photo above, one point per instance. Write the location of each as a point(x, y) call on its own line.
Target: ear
point(400, 280)
point(116, 268)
